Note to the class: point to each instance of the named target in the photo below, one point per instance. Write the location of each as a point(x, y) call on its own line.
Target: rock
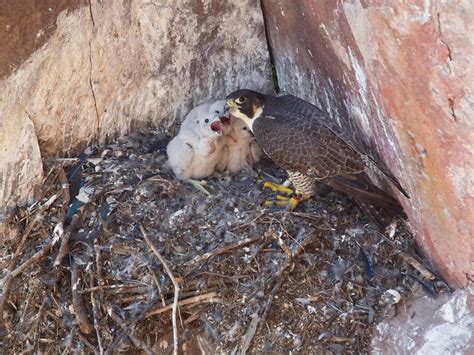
point(429, 326)
point(402, 76)
point(88, 71)
point(21, 169)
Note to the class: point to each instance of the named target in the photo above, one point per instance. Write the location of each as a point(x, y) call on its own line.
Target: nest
point(138, 260)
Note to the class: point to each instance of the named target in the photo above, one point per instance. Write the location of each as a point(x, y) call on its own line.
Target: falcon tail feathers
point(375, 167)
point(377, 202)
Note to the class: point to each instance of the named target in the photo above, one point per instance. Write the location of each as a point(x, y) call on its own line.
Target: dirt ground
point(85, 278)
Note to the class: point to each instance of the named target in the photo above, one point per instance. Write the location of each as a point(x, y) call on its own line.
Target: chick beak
point(217, 127)
point(225, 120)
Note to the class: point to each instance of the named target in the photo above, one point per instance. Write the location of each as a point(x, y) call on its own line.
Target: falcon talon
point(199, 185)
point(278, 187)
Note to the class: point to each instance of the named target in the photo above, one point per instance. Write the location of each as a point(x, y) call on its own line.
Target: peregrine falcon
point(312, 148)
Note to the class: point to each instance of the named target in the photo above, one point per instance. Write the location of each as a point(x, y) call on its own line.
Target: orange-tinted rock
point(402, 75)
point(25, 26)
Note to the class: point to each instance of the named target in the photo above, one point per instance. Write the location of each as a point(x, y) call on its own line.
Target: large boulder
point(86, 71)
point(401, 74)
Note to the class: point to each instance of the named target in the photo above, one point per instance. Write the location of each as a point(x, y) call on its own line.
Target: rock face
point(400, 74)
point(21, 168)
point(429, 326)
point(85, 71)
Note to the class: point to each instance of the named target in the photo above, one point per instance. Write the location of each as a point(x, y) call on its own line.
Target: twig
point(34, 258)
point(210, 297)
point(78, 303)
point(175, 284)
point(64, 247)
point(37, 322)
point(225, 249)
point(83, 339)
point(131, 299)
point(280, 274)
point(95, 314)
point(98, 265)
point(36, 219)
point(108, 287)
point(273, 293)
point(65, 190)
point(135, 340)
point(418, 266)
point(250, 333)
point(157, 285)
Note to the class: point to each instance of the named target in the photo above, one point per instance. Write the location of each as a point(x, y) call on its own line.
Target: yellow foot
point(289, 203)
point(199, 185)
point(278, 188)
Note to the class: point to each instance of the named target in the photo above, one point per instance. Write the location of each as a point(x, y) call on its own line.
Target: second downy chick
point(242, 149)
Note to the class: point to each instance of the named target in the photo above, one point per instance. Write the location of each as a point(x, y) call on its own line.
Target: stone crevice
point(97, 129)
point(93, 92)
point(450, 57)
point(92, 15)
point(451, 108)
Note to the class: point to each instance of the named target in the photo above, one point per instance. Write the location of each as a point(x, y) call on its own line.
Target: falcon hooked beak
point(246, 105)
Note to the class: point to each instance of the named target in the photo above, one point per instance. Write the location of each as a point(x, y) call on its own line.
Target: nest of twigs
point(118, 256)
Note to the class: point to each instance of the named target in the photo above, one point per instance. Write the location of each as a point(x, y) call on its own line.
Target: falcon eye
point(245, 128)
point(241, 100)
point(206, 120)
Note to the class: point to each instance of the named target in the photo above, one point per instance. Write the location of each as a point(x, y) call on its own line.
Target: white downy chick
point(198, 148)
point(242, 149)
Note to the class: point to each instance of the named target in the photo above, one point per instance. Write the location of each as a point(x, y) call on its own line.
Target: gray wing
point(305, 146)
point(291, 105)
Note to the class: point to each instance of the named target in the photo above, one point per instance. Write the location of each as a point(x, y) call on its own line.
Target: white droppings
point(445, 339)
point(425, 14)
point(462, 180)
point(360, 76)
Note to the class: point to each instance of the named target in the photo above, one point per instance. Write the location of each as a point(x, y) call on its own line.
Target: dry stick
point(36, 219)
point(65, 189)
point(86, 342)
point(417, 265)
point(95, 314)
point(108, 287)
point(250, 333)
point(37, 322)
point(251, 330)
point(7, 281)
point(210, 297)
point(135, 340)
point(34, 258)
point(98, 265)
point(185, 336)
point(155, 279)
point(271, 298)
point(78, 303)
point(175, 284)
point(225, 249)
point(64, 247)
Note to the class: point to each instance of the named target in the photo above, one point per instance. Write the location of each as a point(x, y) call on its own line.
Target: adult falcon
point(313, 149)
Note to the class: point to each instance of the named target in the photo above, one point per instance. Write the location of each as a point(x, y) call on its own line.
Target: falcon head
point(246, 104)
